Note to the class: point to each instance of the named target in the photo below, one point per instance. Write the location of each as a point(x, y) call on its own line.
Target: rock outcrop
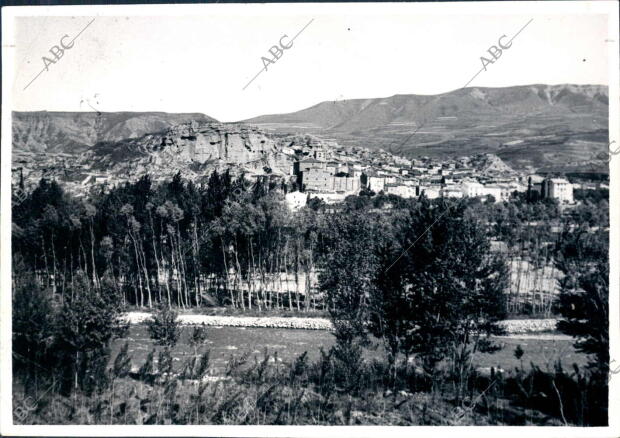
point(233, 144)
point(194, 147)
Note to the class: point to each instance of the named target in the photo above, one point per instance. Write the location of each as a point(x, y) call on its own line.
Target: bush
point(164, 328)
point(33, 326)
point(197, 337)
point(584, 298)
point(441, 294)
point(87, 323)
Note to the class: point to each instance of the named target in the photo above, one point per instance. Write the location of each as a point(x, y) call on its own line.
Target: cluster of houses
point(332, 175)
point(325, 170)
point(75, 175)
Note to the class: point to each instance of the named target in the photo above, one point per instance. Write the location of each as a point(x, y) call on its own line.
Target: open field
point(542, 350)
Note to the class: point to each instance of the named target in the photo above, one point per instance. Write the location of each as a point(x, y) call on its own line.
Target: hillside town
point(312, 167)
point(332, 175)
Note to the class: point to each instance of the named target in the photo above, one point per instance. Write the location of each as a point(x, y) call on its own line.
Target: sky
point(199, 59)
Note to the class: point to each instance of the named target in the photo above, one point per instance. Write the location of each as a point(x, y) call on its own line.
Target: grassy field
point(289, 344)
point(311, 392)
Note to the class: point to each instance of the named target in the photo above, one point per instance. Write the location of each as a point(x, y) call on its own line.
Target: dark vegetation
point(419, 279)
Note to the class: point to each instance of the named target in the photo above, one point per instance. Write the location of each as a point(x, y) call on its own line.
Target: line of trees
point(227, 241)
point(430, 289)
point(421, 278)
point(235, 243)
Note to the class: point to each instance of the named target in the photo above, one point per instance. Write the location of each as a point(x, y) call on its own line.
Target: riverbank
point(512, 326)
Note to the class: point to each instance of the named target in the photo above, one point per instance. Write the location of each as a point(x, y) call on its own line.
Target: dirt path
point(539, 337)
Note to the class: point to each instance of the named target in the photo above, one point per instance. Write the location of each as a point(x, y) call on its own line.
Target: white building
point(434, 169)
point(401, 190)
point(472, 189)
point(342, 168)
point(376, 184)
point(296, 200)
point(494, 190)
point(558, 188)
point(402, 161)
point(102, 179)
point(288, 151)
point(431, 192)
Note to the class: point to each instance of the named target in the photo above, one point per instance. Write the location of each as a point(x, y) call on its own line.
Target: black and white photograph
point(250, 218)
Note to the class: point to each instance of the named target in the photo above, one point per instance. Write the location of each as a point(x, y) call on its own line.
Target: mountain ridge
point(571, 87)
point(508, 121)
point(75, 132)
point(530, 127)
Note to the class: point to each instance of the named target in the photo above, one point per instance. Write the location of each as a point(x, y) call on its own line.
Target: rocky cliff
point(193, 147)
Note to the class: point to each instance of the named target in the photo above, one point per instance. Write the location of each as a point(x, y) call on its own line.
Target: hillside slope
point(74, 132)
point(534, 126)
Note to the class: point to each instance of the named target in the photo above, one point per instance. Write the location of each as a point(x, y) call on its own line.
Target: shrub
point(440, 294)
point(197, 337)
point(164, 328)
point(86, 325)
point(122, 362)
point(584, 294)
point(33, 326)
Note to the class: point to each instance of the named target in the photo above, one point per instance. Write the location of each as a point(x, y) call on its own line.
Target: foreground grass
point(290, 343)
point(231, 402)
point(266, 391)
point(268, 378)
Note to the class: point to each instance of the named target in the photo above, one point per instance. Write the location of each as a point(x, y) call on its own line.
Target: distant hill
point(75, 132)
point(529, 127)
